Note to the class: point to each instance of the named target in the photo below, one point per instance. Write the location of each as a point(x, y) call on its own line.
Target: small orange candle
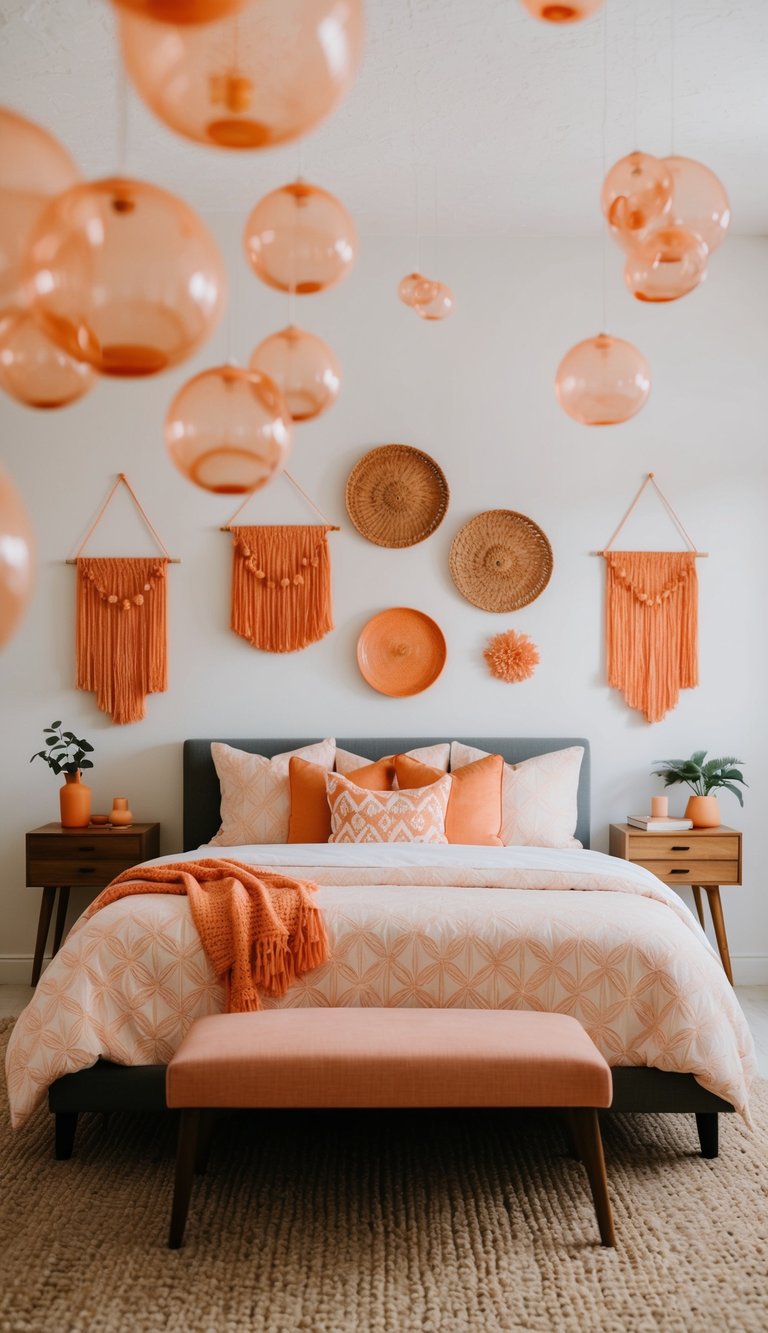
point(660, 807)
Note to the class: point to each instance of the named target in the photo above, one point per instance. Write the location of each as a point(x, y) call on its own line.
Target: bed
point(497, 882)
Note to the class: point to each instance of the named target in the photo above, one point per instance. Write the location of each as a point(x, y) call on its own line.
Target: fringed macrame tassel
point(281, 586)
point(651, 627)
point(121, 632)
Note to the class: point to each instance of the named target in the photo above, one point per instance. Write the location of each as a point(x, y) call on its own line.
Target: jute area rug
point(382, 1223)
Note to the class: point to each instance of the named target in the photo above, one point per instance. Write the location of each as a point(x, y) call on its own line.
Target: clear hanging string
point(672, 90)
point(604, 155)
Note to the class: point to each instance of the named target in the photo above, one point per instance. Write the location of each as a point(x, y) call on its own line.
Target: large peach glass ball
point(437, 303)
point(17, 558)
point(256, 78)
point(637, 192)
point(567, 12)
point(300, 239)
point(182, 11)
point(228, 430)
point(34, 167)
point(699, 200)
point(602, 381)
point(666, 264)
point(304, 369)
point(33, 370)
point(125, 276)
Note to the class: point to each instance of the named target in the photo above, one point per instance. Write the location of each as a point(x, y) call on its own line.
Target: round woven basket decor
point(396, 495)
point(500, 560)
point(401, 652)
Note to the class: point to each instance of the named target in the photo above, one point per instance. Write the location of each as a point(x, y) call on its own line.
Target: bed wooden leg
point(66, 1124)
point(707, 1125)
point(586, 1131)
point(186, 1157)
point(205, 1134)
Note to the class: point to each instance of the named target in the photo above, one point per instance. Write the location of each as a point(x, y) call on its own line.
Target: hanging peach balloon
point(33, 370)
point(125, 276)
point(636, 194)
point(250, 80)
point(666, 264)
point(228, 430)
point(304, 369)
point(602, 381)
point(436, 303)
point(300, 239)
point(17, 558)
point(182, 11)
point(699, 200)
point(34, 167)
point(572, 12)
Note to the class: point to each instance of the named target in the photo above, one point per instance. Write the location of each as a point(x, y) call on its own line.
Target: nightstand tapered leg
point(699, 905)
point(43, 926)
point(718, 921)
point(61, 917)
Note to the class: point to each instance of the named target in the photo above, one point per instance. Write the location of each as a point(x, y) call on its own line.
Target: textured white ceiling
point(466, 111)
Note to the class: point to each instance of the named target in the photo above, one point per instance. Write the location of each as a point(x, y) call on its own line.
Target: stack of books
point(659, 824)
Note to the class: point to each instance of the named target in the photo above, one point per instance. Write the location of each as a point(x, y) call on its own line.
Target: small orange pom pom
point(511, 656)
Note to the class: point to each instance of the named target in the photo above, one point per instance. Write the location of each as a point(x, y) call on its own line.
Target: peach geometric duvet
point(569, 931)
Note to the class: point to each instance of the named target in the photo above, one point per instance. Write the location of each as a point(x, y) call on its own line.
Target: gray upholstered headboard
point(201, 783)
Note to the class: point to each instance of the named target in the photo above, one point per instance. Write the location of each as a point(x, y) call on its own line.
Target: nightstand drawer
point(684, 871)
point(66, 870)
point(122, 847)
point(670, 846)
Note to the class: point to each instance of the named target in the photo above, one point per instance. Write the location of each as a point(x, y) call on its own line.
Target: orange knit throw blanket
point(260, 930)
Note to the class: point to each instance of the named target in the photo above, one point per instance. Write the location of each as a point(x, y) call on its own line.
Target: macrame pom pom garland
point(511, 656)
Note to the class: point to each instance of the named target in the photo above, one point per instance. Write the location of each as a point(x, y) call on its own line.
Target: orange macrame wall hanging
point(651, 620)
point(121, 634)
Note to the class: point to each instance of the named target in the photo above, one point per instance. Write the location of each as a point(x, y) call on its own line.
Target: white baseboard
point(16, 969)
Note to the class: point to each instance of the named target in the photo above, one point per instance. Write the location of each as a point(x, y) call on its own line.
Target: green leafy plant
point(64, 752)
point(703, 777)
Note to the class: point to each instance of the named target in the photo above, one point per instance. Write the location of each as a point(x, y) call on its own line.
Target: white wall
point(475, 392)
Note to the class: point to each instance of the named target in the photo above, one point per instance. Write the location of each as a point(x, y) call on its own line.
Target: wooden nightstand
point(60, 858)
point(705, 858)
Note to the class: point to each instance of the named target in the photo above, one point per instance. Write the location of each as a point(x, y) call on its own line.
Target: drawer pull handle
point(681, 849)
point(86, 870)
point(86, 851)
point(679, 870)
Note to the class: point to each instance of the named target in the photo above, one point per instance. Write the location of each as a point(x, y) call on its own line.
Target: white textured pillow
point(538, 796)
point(256, 793)
point(436, 756)
point(359, 815)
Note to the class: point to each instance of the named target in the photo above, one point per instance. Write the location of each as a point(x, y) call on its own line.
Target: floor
point(753, 999)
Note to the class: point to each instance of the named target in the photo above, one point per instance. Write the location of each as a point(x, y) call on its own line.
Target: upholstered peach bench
point(388, 1058)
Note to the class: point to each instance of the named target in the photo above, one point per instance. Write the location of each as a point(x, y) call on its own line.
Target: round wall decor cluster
point(397, 495)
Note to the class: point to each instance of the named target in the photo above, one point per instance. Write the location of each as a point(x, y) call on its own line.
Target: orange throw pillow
point(474, 807)
point(375, 777)
point(310, 819)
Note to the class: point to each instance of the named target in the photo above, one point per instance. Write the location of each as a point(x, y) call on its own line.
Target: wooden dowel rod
point(228, 527)
point(700, 555)
point(166, 558)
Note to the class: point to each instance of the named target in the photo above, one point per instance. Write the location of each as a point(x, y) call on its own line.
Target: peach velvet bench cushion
point(388, 1057)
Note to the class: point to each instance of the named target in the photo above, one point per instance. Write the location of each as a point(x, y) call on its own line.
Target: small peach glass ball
point(415, 289)
point(572, 12)
point(182, 11)
point(602, 381)
point(33, 370)
point(125, 276)
point(300, 238)
point(228, 430)
point(17, 558)
point(666, 265)
point(699, 200)
point(262, 76)
point(437, 304)
point(636, 193)
point(34, 167)
point(304, 369)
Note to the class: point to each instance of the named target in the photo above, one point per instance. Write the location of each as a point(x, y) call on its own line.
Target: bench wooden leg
point(64, 1134)
point(707, 1125)
point(186, 1156)
point(586, 1132)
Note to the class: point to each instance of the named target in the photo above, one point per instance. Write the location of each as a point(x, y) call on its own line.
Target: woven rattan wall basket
point(396, 495)
point(500, 560)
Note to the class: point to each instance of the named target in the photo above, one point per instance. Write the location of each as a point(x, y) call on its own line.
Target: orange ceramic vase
point(704, 811)
point(121, 816)
point(75, 802)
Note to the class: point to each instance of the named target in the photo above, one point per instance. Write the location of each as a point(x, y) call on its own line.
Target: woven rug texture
point(335, 1222)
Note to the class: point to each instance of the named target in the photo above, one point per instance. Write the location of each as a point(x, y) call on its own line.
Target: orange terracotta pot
point(75, 802)
point(704, 811)
point(121, 815)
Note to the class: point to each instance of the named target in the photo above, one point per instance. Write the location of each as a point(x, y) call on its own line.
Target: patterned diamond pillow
point(358, 815)
point(256, 794)
point(538, 796)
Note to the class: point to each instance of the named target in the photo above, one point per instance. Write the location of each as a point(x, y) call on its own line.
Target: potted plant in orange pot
point(703, 809)
point(66, 754)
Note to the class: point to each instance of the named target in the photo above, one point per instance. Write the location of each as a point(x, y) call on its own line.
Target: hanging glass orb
point(699, 200)
point(602, 381)
point(415, 288)
point(182, 11)
point(666, 264)
point(304, 369)
point(438, 303)
point(572, 12)
point(300, 239)
point(637, 192)
point(252, 79)
point(125, 276)
point(33, 370)
point(17, 558)
point(34, 167)
point(228, 430)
